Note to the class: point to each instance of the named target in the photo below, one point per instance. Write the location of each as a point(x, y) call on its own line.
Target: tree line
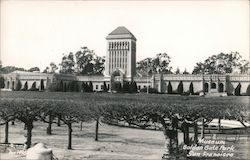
point(175, 115)
point(87, 62)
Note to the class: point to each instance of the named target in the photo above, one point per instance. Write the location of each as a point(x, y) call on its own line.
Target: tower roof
point(121, 32)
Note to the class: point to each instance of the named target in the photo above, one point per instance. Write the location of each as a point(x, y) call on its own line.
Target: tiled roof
point(121, 32)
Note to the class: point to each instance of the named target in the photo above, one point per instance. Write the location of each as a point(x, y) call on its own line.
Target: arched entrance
point(116, 80)
point(206, 87)
point(213, 86)
point(8, 85)
point(13, 85)
point(221, 87)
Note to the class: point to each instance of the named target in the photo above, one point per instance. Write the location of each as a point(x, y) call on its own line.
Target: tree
point(85, 87)
point(170, 90)
point(71, 112)
point(125, 87)
point(42, 85)
point(56, 86)
point(88, 63)
point(51, 69)
point(67, 64)
point(33, 69)
point(158, 64)
point(248, 90)
point(90, 86)
point(180, 88)
point(133, 87)
point(9, 69)
point(105, 89)
point(237, 90)
point(46, 70)
point(25, 87)
point(185, 71)
point(18, 85)
point(191, 88)
point(2, 85)
point(33, 87)
point(25, 110)
point(221, 63)
point(177, 70)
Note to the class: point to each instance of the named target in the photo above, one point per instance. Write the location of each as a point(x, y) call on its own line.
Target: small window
point(101, 86)
point(96, 87)
point(139, 87)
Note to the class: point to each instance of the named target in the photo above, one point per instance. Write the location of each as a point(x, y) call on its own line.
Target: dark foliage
point(180, 88)
point(170, 89)
point(237, 90)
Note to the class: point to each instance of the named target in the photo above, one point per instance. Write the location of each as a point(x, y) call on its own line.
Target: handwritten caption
point(210, 148)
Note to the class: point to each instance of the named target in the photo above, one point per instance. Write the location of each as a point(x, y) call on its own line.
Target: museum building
point(120, 66)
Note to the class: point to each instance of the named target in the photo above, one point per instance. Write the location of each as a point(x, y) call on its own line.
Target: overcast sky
point(35, 33)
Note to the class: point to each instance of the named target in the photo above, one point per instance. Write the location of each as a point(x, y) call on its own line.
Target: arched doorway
point(13, 85)
point(221, 87)
point(213, 86)
point(8, 85)
point(206, 87)
point(116, 80)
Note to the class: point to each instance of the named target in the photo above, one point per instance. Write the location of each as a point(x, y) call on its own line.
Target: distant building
point(120, 66)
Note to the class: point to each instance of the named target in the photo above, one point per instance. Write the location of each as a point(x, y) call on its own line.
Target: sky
point(35, 33)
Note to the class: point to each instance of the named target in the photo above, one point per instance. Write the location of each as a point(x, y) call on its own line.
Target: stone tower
point(121, 53)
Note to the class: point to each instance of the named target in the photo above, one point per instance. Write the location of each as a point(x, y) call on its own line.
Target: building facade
point(120, 66)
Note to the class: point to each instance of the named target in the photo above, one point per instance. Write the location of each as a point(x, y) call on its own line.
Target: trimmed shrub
point(150, 90)
point(25, 87)
point(2, 85)
point(33, 87)
point(170, 90)
point(18, 85)
point(42, 85)
point(104, 89)
point(248, 90)
point(191, 88)
point(90, 86)
point(237, 90)
point(125, 87)
point(180, 88)
point(133, 87)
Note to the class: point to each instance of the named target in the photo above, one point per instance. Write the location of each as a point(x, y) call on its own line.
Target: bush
point(248, 90)
point(180, 88)
point(18, 85)
point(42, 85)
point(125, 87)
point(237, 90)
point(150, 90)
point(191, 88)
point(2, 85)
point(25, 87)
point(116, 86)
point(104, 89)
point(56, 86)
point(170, 90)
point(33, 87)
point(133, 87)
point(90, 86)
